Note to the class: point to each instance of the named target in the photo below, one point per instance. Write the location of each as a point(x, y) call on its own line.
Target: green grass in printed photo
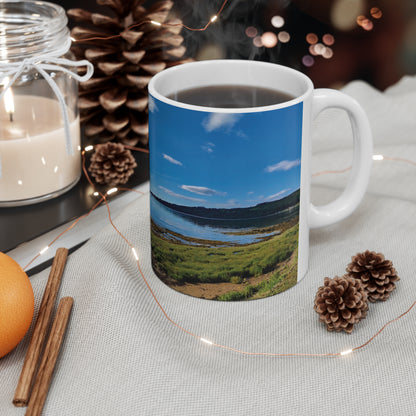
point(224, 272)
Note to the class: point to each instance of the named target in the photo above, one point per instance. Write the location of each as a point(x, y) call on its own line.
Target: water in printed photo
point(225, 192)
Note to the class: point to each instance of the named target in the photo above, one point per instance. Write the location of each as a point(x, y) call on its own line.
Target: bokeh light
point(312, 50)
point(269, 39)
point(210, 51)
point(409, 47)
point(364, 22)
point(257, 41)
point(319, 48)
point(360, 19)
point(344, 12)
point(283, 36)
point(376, 13)
point(308, 60)
point(328, 53)
point(278, 21)
point(367, 25)
point(311, 38)
point(251, 31)
point(328, 39)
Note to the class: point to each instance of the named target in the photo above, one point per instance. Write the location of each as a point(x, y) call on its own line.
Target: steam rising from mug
point(226, 38)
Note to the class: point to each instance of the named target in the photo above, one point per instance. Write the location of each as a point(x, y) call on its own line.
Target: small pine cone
point(112, 164)
point(341, 303)
point(376, 274)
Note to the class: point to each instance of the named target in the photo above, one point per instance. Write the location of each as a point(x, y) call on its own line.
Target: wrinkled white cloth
point(122, 357)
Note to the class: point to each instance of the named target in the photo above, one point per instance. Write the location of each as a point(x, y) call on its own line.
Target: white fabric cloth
point(122, 357)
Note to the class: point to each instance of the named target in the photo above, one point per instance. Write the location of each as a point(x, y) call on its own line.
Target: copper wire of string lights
point(103, 199)
point(148, 21)
point(375, 157)
point(64, 232)
point(137, 149)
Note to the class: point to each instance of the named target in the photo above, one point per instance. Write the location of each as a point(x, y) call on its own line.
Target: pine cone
point(112, 164)
point(341, 303)
point(113, 103)
point(376, 274)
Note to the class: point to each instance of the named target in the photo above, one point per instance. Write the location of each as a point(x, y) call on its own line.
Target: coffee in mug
point(230, 96)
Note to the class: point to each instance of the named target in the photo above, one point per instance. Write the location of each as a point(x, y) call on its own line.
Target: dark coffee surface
point(230, 96)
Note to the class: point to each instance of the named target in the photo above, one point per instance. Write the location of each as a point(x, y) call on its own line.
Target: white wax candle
point(32, 150)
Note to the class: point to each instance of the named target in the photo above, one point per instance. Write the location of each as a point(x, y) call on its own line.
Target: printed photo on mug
point(230, 200)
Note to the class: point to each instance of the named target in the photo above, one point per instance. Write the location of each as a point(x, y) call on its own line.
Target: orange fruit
point(17, 304)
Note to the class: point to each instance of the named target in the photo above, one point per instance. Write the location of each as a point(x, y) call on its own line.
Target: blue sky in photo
point(224, 160)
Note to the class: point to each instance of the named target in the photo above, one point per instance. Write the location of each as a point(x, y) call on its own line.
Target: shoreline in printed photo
point(226, 262)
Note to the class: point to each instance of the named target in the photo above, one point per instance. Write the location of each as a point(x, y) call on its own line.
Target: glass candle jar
point(39, 120)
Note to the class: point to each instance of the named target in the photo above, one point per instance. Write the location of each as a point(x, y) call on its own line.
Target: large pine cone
point(376, 274)
point(113, 103)
point(341, 302)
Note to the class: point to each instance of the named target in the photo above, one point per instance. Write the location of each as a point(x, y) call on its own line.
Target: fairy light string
point(375, 157)
point(166, 315)
point(204, 340)
point(103, 200)
point(159, 24)
point(45, 249)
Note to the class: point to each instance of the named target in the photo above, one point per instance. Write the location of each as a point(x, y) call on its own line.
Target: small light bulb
point(44, 250)
point(135, 253)
point(73, 39)
point(214, 18)
point(346, 352)
point(206, 341)
point(96, 193)
point(378, 157)
point(156, 23)
point(111, 191)
point(88, 148)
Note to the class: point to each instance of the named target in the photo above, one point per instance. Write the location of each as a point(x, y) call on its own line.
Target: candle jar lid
point(39, 119)
point(31, 28)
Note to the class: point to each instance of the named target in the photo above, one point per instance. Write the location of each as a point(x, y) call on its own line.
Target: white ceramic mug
point(230, 187)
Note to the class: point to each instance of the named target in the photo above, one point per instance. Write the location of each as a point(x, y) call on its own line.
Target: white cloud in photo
point(217, 121)
point(171, 159)
point(278, 194)
point(208, 147)
point(202, 190)
point(152, 105)
point(240, 133)
point(188, 198)
point(283, 165)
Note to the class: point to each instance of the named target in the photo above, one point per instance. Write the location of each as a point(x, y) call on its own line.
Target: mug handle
point(346, 203)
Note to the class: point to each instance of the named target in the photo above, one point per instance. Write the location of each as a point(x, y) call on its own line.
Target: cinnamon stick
point(27, 376)
point(47, 365)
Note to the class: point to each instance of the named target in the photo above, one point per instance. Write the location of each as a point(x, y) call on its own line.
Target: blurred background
point(332, 41)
